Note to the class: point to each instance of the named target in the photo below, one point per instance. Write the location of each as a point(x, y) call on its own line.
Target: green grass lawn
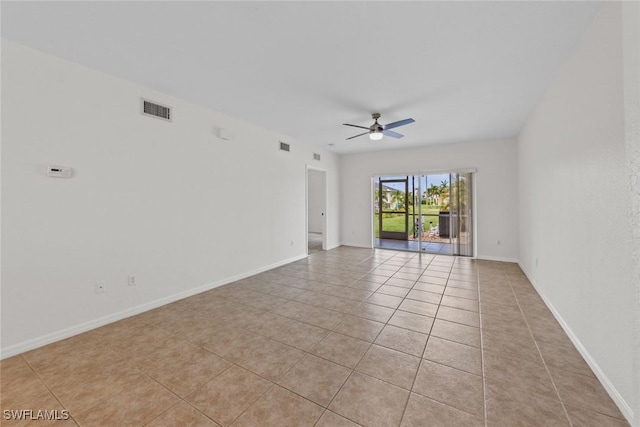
point(396, 222)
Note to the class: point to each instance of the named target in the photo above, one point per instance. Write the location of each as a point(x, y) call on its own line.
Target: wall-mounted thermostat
point(59, 171)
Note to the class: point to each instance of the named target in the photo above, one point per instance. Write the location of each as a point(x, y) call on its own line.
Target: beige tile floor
point(345, 337)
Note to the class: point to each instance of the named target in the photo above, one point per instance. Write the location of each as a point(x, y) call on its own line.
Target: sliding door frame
point(390, 234)
point(474, 186)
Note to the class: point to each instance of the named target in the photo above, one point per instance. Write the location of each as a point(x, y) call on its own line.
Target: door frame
point(325, 203)
point(394, 234)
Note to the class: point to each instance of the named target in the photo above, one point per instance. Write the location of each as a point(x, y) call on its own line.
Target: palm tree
point(433, 194)
point(400, 197)
point(389, 199)
point(444, 195)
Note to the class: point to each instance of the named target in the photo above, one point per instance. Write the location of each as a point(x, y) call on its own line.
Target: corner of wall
point(624, 406)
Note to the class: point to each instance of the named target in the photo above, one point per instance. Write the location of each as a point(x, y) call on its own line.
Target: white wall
point(631, 63)
point(495, 189)
point(169, 202)
point(574, 204)
point(316, 194)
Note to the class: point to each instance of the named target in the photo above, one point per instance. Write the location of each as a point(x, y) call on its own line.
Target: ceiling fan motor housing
point(376, 127)
point(376, 130)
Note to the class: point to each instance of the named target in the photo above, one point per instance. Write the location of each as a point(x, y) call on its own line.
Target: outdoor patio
point(413, 245)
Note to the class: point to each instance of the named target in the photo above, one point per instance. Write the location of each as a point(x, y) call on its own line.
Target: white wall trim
point(96, 323)
point(426, 172)
point(356, 245)
point(624, 406)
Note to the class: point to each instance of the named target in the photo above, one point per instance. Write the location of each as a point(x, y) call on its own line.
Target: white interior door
point(316, 207)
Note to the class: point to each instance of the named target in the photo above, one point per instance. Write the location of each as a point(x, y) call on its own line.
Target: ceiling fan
point(376, 130)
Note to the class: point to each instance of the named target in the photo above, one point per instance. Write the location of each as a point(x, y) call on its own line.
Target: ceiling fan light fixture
point(375, 136)
point(376, 130)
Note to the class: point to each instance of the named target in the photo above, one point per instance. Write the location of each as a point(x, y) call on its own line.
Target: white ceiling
point(463, 70)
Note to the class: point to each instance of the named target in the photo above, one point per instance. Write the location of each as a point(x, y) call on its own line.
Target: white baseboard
point(333, 246)
point(356, 245)
point(114, 317)
point(622, 404)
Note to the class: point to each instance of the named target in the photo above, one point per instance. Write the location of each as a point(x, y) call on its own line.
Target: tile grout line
point(404, 409)
point(535, 342)
point(47, 387)
point(511, 279)
point(438, 363)
point(308, 353)
point(370, 343)
point(249, 406)
point(363, 355)
point(421, 361)
point(274, 383)
point(354, 368)
point(116, 394)
point(484, 378)
point(506, 275)
point(173, 406)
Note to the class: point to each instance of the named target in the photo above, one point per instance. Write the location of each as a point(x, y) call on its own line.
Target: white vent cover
point(284, 146)
point(316, 156)
point(156, 110)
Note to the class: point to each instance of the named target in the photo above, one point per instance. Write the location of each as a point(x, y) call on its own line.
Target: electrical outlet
point(292, 243)
point(536, 262)
point(100, 287)
point(132, 280)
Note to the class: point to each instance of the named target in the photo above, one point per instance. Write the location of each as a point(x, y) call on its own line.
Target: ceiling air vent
point(284, 146)
point(156, 110)
point(316, 156)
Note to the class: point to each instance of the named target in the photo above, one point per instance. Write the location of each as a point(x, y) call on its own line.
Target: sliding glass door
point(460, 214)
point(427, 212)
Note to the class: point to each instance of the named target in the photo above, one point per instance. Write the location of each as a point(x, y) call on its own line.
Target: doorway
point(393, 214)
point(316, 210)
point(424, 212)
